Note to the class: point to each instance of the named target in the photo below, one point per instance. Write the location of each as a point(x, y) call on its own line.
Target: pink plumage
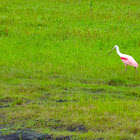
point(129, 60)
point(126, 59)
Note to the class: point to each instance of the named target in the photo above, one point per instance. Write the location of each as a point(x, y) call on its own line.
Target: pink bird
point(126, 59)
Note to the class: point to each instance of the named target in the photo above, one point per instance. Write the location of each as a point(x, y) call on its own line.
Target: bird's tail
point(137, 65)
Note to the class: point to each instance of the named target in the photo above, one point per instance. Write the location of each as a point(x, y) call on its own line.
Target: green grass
point(55, 71)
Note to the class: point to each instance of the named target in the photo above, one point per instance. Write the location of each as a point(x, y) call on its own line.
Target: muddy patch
point(81, 128)
point(5, 102)
point(60, 126)
point(24, 135)
point(4, 106)
point(72, 128)
point(6, 99)
point(61, 101)
point(115, 82)
point(31, 135)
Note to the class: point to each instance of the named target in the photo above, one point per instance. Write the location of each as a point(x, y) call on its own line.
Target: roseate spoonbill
point(126, 59)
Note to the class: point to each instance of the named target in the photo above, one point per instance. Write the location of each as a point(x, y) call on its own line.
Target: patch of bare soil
point(30, 135)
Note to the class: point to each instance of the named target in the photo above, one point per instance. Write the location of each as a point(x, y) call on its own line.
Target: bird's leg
point(126, 68)
point(136, 70)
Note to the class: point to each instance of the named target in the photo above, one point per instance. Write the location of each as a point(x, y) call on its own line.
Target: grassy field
point(56, 76)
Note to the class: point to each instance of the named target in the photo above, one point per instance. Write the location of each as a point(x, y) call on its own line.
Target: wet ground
point(30, 135)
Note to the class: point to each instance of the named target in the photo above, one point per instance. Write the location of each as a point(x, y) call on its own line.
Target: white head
point(115, 47)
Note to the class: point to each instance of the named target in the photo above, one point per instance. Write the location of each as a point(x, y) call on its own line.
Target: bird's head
point(115, 47)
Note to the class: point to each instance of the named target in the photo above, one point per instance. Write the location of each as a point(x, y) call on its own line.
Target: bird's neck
point(118, 51)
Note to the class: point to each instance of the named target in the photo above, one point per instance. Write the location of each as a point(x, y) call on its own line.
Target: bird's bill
point(111, 50)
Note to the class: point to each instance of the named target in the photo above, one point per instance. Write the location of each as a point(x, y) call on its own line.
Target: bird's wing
point(129, 60)
point(132, 61)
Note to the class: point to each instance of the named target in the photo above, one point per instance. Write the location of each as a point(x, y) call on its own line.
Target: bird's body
point(126, 59)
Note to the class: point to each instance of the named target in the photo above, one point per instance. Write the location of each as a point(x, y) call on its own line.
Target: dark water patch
point(4, 106)
point(25, 135)
point(4, 102)
point(61, 101)
point(31, 135)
